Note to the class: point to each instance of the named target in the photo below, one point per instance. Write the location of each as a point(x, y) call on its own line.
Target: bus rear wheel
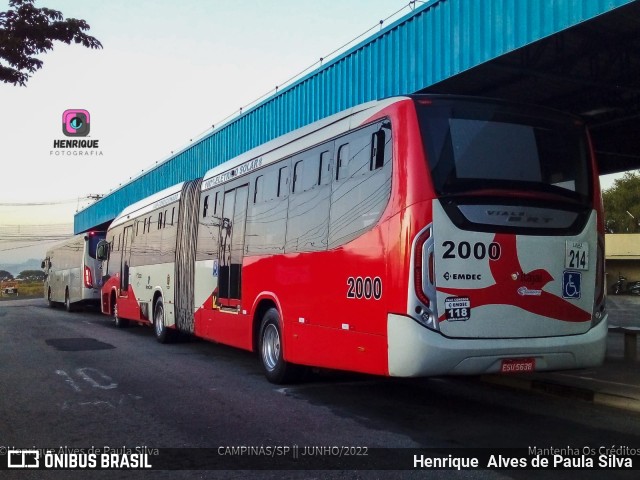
point(67, 301)
point(117, 321)
point(276, 369)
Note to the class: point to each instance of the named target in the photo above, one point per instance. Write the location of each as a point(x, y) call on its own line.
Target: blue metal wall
point(437, 40)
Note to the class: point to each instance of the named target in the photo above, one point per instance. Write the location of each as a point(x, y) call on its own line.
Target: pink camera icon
point(76, 123)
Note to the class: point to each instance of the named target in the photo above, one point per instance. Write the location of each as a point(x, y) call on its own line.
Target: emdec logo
point(75, 123)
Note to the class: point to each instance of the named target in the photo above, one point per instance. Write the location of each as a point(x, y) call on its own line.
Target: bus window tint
point(479, 146)
point(258, 189)
point(308, 212)
point(93, 244)
point(342, 162)
point(360, 155)
point(205, 206)
point(357, 201)
point(283, 182)
point(305, 172)
point(267, 214)
point(475, 139)
point(324, 172)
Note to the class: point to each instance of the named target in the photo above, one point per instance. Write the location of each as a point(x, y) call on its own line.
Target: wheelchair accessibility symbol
point(571, 284)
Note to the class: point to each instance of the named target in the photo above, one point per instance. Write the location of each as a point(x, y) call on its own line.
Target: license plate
point(577, 255)
point(518, 365)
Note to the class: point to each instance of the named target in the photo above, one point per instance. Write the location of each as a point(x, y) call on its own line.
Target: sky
point(169, 69)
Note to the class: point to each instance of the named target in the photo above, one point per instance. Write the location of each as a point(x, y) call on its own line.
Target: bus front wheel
point(276, 369)
point(163, 334)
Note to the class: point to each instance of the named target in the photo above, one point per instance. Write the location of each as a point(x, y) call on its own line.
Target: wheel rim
point(270, 347)
point(158, 319)
point(115, 313)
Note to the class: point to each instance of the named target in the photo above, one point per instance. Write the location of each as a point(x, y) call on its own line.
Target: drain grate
point(77, 344)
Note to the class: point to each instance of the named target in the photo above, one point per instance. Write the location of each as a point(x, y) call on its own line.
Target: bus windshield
point(482, 145)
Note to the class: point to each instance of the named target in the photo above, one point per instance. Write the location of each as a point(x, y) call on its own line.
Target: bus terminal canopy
point(581, 56)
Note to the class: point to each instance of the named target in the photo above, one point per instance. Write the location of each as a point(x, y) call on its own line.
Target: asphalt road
point(74, 380)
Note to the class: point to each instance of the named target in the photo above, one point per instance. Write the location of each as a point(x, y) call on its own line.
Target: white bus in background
point(73, 275)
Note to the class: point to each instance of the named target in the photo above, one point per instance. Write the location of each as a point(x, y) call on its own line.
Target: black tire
point(67, 302)
point(117, 321)
point(163, 334)
point(276, 369)
point(52, 304)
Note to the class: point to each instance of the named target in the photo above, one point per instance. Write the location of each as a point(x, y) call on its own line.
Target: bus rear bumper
point(415, 351)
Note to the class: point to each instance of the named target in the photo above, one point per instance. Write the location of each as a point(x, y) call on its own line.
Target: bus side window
point(173, 213)
point(159, 220)
point(377, 150)
point(269, 185)
point(258, 190)
point(283, 182)
point(164, 219)
point(298, 172)
point(205, 206)
point(362, 186)
point(342, 162)
point(359, 153)
point(324, 168)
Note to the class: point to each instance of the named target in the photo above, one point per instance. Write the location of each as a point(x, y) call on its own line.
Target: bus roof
point(288, 144)
point(72, 239)
point(141, 207)
point(298, 140)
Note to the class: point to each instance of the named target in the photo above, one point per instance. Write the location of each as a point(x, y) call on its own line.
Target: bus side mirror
point(102, 250)
point(42, 265)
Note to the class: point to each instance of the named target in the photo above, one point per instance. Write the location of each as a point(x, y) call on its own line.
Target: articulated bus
point(412, 236)
point(73, 274)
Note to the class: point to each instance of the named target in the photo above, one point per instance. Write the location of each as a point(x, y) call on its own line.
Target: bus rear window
point(94, 238)
point(481, 145)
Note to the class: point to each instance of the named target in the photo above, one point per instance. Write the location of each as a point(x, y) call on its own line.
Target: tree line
point(24, 276)
point(622, 205)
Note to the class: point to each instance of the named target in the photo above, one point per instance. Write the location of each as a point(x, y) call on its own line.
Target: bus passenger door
point(231, 245)
point(124, 262)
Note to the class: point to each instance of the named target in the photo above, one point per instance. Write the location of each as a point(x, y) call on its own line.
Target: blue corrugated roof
point(437, 40)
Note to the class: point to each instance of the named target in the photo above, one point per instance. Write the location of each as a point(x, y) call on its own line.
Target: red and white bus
point(412, 236)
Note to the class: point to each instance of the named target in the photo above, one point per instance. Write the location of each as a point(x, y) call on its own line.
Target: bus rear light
point(422, 290)
point(432, 268)
point(418, 266)
point(599, 304)
point(88, 277)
